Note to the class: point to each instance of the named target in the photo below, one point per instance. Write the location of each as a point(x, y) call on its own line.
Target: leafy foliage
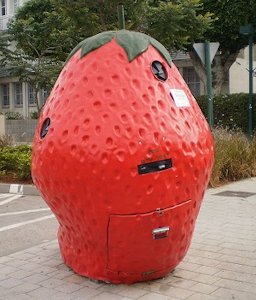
point(36, 31)
point(5, 141)
point(15, 163)
point(177, 24)
point(12, 115)
point(229, 16)
point(34, 115)
point(173, 23)
point(230, 110)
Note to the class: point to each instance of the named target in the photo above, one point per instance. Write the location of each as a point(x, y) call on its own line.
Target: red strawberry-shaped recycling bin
point(122, 155)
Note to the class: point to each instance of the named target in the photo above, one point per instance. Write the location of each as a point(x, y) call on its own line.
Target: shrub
point(12, 115)
point(230, 111)
point(235, 156)
point(5, 140)
point(15, 163)
point(34, 115)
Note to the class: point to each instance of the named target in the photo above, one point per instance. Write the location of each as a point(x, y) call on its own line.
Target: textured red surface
point(107, 117)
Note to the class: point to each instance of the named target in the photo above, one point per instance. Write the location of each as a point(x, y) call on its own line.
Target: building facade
point(15, 96)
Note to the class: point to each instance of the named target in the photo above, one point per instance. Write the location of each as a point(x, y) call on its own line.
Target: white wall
point(239, 75)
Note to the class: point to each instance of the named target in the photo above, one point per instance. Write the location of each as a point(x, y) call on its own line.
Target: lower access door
point(146, 243)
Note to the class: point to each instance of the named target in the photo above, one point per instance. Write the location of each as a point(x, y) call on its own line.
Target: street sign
point(200, 50)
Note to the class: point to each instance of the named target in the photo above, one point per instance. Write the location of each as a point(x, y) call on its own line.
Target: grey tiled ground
point(221, 263)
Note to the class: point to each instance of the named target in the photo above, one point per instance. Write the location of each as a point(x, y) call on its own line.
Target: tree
point(228, 17)
point(174, 23)
point(40, 72)
point(41, 41)
point(45, 31)
point(177, 24)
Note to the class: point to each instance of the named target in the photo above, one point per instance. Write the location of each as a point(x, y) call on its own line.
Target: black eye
point(159, 70)
point(45, 127)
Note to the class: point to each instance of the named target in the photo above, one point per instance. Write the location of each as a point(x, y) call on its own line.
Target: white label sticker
point(180, 98)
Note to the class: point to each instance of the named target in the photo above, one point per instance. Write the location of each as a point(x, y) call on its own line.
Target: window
point(3, 7)
point(5, 95)
point(15, 5)
point(31, 96)
point(18, 94)
point(192, 80)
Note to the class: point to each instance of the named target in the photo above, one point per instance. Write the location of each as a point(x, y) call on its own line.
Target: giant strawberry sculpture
point(122, 155)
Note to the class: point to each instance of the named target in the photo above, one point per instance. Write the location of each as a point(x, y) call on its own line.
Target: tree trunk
point(37, 101)
point(220, 67)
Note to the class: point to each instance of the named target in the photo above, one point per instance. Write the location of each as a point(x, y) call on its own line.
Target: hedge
point(15, 163)
point(230, 110)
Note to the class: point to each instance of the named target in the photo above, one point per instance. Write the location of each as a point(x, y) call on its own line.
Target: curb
point(22, 189)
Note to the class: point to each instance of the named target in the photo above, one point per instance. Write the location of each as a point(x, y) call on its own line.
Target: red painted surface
point(107, 117)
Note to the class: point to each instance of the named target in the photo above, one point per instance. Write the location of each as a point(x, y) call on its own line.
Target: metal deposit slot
point(160, 233)
point(155, 166)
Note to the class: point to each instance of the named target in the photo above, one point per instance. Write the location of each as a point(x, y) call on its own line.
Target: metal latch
point(160, 233)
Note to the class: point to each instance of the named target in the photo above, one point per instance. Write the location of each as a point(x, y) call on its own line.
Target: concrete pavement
point(221, 263)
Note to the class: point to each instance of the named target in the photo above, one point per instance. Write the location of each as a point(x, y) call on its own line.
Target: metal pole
point(250, 100)
point(121, 19)
point(209, 83)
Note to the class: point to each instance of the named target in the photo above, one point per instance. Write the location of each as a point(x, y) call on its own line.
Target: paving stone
point(236, 276)
point(107, 296)
point(24, 288)
point(4, 291)
point(74, 278)
point(86, 293)
point(36, 278)
point(247, 287)
point(132, 292)
point(61, 296)
point(189, 266)
point(68, 288)
point(207, 279)
point(15, 263)
point(42, 293)
point(93, 284)
point(10, 282)
point(5, 259)
point(23, 255)
point(153, 296)
point(17, 297)
point(183, 283)
point(7, 270)
point(203, 288)
point(170, 291)
point(208, 270)
point(20, 274)
point(179, 273)
point(51, 283)
point(52, 263)
point(199, 296)
point(223, 293)
point(227, 283)
point(60, 274)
